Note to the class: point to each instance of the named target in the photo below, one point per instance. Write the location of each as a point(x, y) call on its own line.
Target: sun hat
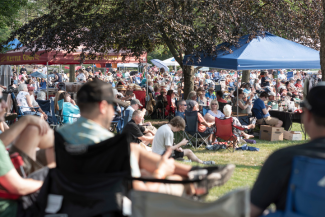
point(120, 87)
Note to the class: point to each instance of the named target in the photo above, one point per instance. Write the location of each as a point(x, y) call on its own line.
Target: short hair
point(128, 93)
point(219, 93)
point(22, 87)
point(227, 109)
point(191, 94)
point(136, 113)
point(319, 121)
point(41, 95)
point(88, 107)
point(180, 102)
point(214, 101)
point(264, 94)
point(178, 122)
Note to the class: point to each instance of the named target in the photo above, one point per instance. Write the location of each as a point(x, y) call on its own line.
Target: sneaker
point(220, 176)
point(209, 162)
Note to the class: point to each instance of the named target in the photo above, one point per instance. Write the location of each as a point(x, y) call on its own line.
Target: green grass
point(248, 164)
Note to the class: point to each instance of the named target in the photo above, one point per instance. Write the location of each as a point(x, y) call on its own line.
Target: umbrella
point(78, 67)
point(66, 67)
point(38, 75)
point(160, 64)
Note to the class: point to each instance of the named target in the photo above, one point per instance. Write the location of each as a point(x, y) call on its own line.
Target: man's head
point(135, 104)
point(95, 100)
point(137, 116)
point(3, 107)
point(271, 96)
point(193, 106)
point(219, 94)
point(177, 123)
point(264, 96)
point(210, 90)
point(182, 106)
point(55, 71)
point(313, 116)
point(298, 81)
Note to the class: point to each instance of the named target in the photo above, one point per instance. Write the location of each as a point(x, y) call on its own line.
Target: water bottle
point(208, 101)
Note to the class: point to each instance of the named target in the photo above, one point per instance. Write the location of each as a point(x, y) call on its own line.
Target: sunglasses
point(214, 104)
point(184, 105)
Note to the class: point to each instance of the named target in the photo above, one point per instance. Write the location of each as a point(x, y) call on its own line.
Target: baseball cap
point(315, 100)
point(135, 102)
point(96, 91)
point(30, 87)
point(271, 94)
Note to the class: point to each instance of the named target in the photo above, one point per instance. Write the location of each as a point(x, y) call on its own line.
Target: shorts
point(30, 165)
point(178, 154)
point(208, 130)
point(268, 120)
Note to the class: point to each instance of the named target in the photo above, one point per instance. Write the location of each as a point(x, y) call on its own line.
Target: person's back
point(259, 105)
point(163, 138)
point(272, 183)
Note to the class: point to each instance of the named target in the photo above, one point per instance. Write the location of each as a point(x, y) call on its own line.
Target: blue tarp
point(268, 52)
point(13, 44)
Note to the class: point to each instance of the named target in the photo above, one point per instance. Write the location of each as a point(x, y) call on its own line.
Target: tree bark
point(246, 75)
point(72, 72)
point(188, 72)
point(322, 42)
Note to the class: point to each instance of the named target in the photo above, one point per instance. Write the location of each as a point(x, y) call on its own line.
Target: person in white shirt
point(81, 77)
point(135, 103)
point(44, 70)
point(164, 139)
point(282, 76)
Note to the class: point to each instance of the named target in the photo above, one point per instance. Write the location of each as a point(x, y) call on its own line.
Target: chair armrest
point(239, 128)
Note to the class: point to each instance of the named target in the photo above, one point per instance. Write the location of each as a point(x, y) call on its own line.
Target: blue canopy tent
point(263, 52)
point(268, 52)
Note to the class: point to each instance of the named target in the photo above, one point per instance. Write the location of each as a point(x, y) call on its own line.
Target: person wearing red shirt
point(298, 84)
point(219, 97)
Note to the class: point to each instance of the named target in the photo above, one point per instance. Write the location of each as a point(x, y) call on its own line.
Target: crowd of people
point(104, 98)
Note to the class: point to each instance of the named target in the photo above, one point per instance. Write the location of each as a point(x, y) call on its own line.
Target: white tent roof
point(128, 65)
point(171, 62)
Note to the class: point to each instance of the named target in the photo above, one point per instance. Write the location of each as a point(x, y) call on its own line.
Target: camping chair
point(306, 192)
point(141, 96)
point(17, 108)
point(224, 131)
point(205, 110)
point(191, 128)
point(45, 105)
point(221, 106)
point(56, 119)
point(89, 180)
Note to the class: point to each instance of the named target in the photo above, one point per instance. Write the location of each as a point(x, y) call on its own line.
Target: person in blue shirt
point(262, 113)
point(42, 84)
point(210, 94)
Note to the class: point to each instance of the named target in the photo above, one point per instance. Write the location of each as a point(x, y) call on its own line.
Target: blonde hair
point(227, 110)
point(214, 101)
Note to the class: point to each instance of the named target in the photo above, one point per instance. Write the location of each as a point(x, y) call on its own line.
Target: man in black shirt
point(137, 133)
point(272, 182)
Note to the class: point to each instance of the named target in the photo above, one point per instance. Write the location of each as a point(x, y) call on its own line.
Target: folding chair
point(224, 131)
point(191, 128)
point(45, 105)
point(205, 110)
point(306, 192)
point(56, 119)
point(17, 108)
point(221, 106)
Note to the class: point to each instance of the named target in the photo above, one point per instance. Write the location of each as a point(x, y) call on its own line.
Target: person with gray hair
point(41, 95)
point(227, 111)
point(24, 100)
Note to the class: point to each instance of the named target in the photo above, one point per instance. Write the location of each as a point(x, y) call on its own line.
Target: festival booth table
point(286, 117)
point(262, 52)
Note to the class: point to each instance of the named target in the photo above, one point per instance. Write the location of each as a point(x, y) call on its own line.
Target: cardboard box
point(292, 135)
point(270, 133)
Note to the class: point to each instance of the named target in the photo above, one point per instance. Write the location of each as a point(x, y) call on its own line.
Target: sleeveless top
point(22, 101)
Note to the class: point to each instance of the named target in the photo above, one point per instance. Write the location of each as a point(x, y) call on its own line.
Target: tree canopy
point(183, 26)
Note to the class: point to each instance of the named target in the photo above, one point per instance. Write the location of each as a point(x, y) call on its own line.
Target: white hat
point(271, 94)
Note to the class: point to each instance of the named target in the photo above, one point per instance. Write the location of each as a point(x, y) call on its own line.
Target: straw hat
point(120, 87)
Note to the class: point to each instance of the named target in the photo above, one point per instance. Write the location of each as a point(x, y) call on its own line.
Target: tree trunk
point(72, 72)
point(322, 44)
point(188, 73)
point(246, 75)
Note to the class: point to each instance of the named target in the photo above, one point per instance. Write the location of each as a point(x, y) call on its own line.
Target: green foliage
point(160, 52)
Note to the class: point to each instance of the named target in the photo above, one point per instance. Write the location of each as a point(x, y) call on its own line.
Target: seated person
point(271, 102)
point(272, 182)
point(172, 96)
point(210, 94)
point(262, 113)
point(134, 106)
point(220, 97)
point(35, 104)
point(181, 109)
point(244, 107)
point(203, 125)
point(201, 98)
point(213, 112)
point(137, 133)
point(25, 101)
point(228, 111)
point(71, 111)
point(164, 138)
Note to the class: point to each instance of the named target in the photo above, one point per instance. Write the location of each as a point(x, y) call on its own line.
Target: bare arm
point(146, 138)
point(29, 101)
point(13, 182)
point(183, 142)
point(266, 111)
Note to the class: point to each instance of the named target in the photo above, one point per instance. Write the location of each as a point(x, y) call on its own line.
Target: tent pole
point(237, 94)
point(47, 83)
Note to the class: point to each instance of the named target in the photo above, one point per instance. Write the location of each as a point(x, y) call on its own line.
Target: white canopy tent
point(127, 65)
point(171, 62)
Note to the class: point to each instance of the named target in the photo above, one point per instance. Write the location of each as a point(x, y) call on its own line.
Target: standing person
point(164, 138)
point(81, 76)
point(57, 76)
point(23, 69)
point(269, 188)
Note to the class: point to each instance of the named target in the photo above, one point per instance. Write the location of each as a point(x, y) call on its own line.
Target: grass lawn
point(248, 164)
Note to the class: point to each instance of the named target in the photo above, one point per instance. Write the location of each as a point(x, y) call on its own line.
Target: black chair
point(90, 179)
point(191, 119)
